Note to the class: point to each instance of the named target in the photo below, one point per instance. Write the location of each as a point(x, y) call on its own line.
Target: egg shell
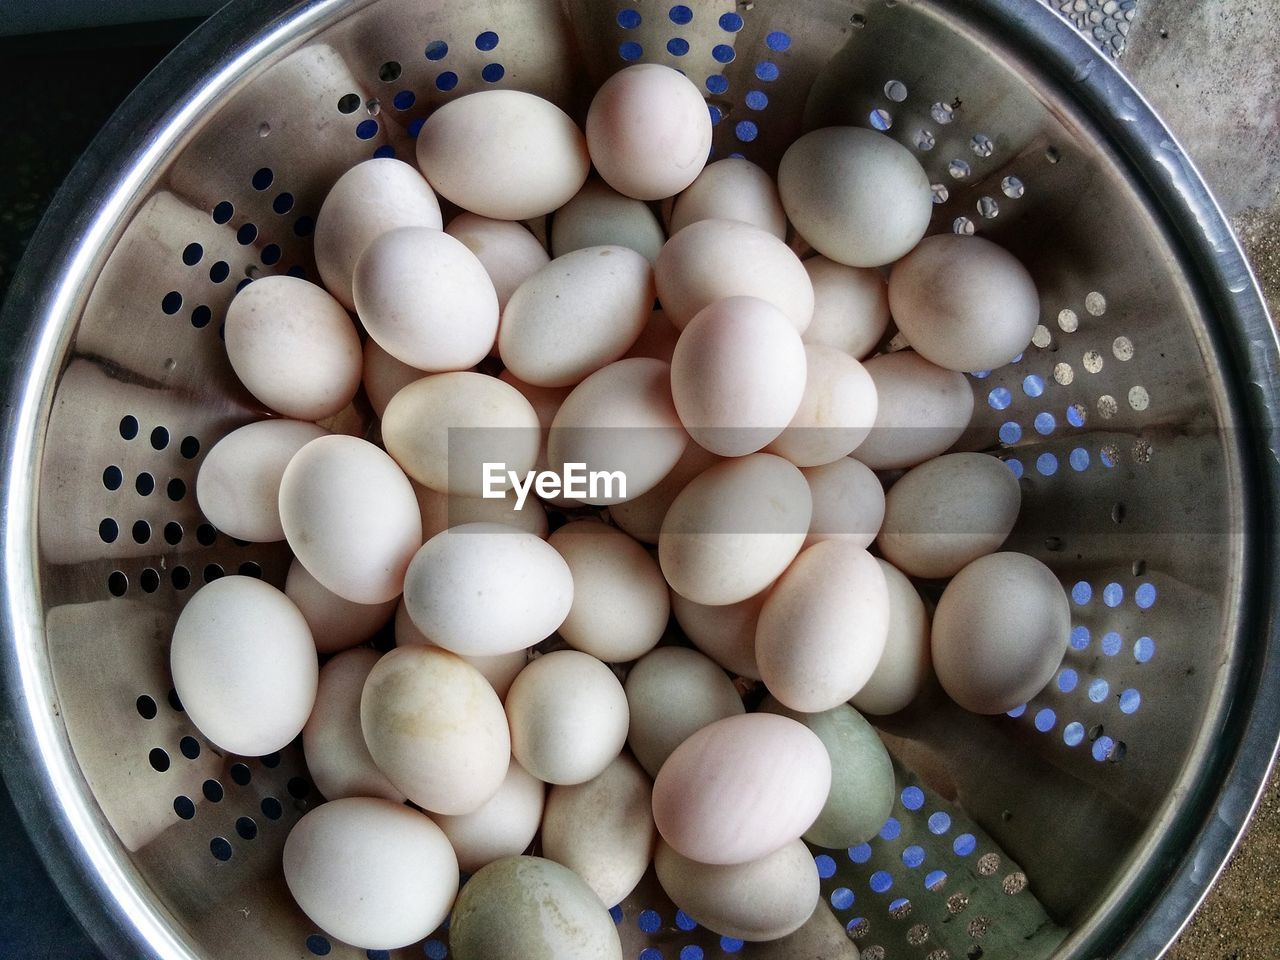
point(484, 589)
point(988, 661)
point(385, 376)
point(568, 717)
point(862, 779)
point(850, 306)
point(836, 413)
point(534, 909)
point(648, 131)
point(857, 196)
point(764, 899)
point(657, 340)
point(672, 693)
point(365, 202)
point(734, 529)
point(350, 517)
point(426, 299)
point(336, 623)
point(398, 875)
point(333, 744)
point(905, 665)
point(738, 376)
point(546, 403)
point(642, 516)
point(294, 347)
point(922, 410)
point(726, 634)
point(823, 935)
point(741, 788)
point(500, 670)
point(238, 486)
point(848, 503)
point(600, 216)
point(503, 827)
point(964, 303)
point(620, 606)
point(509, 253)
point(443, 429)
point(620, 419)
point(436, 728)
point(244, 666)
point(603, 829)
point(823, 627)
point(713, 260)
point(580, 312)
point(732, 189)
point(503, 154)
point(441, 511)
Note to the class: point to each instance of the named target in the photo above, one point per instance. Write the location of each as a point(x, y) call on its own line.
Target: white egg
point(657, 340)
point(599, 216)
point(336, 623)
point(500, 669)
point(905, 665)
point(546, 403)
point(436, 728)
point(238, 486)
point(385, 376)
point(368, 200)
point(244, 666)
point(712, 260)
point(848, 503)
point(642, 516)
point(333, 744)
point(350, 517)
point(850, 306)
point(568, 717)
point(1000, 632)
point(649, 131)
point(726, 634)
point(836, 412)
point(426, 299)
point(964, 303)
point(732, 189)
point(922, 410)
point(294, 347)
point(440, 511)
point(858, 197)
point(509, 252)
point(503, 827)
point(503, 154)
point(484, 589)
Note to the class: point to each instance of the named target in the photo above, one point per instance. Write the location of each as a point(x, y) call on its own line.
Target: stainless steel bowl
point(1142, 422)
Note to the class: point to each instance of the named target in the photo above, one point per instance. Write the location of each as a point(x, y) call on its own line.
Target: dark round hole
point(201, 316)
point(250, 569)
point(192, 254)
point(297, 271)
point(222, 330)
point(1118, 513)
point(149, 580)
point(147, 708)
point(171, 303)
point(141, 531)
point(246, 234)
point(349, 103)
point(240, 543)
point(159, 438)
point(319, 945)
point(206, 534)
point(118, 584)
point(283, 203)
point(240, 774)
point(184, 807)
point(128, 427)
point(212, 790)
point(190, 747)
point(189, 448)
point(389, 71)
point(181, 578)
point(159, 760)
point(108, 530)
point(262, 178)
point(145, 484)
point(271, 808)
point(298, 787)
point(223, 212)
point(303, 226)
point(219, 271)
point(271, 761)
point(112, 478)
point(247, 829)
point(220, 848)
point(173, 533)
point(271, 254)
point(174, 702)
point(176, 489)
point(214, 572)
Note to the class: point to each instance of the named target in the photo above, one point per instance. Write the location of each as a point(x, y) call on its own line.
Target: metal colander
point(1086, 824)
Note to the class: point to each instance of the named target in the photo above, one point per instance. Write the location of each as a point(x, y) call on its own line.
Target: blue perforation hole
point(680, 14)
point(630, 50)
point(629, 19)
point(487, 41)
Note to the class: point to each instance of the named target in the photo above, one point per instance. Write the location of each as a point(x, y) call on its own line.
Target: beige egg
point(503, 154)
point(568, 717)
point(944, 514)
point(922, 410)
point(426, 299)
point(350, 517)
point(294, 347)
point(848, 503)
point(599, 216)
point(620, 606)
point(850, 306)
point(603, 829)
point(436, 728)
point(440, 511)
point(823, 627)
point(368, 200)
point(443, 429)
point(764, 899)
point(649, 131)
point(336, 623)
point(672, 693)
point(905, 665)
point(238, 486)
point(964, 303)
point(503, 827)
point(398, 876)
point(858, 197)
point(741, 788)
point(333, 744)
point(726, 634)
point(385, 376)
point(500, 669)
point(623, 420)
point(483, 589)
point(657, 340)
point(244, 666)
point(988, 660)
point(738, 376)
point(836, 412)
point(533, 909)
point(642, 516)
point(734, 529)
point(509, 253)
point(713, 260)
point(731, 189)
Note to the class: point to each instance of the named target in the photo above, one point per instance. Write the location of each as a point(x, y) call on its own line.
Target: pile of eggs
point(537, 696)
